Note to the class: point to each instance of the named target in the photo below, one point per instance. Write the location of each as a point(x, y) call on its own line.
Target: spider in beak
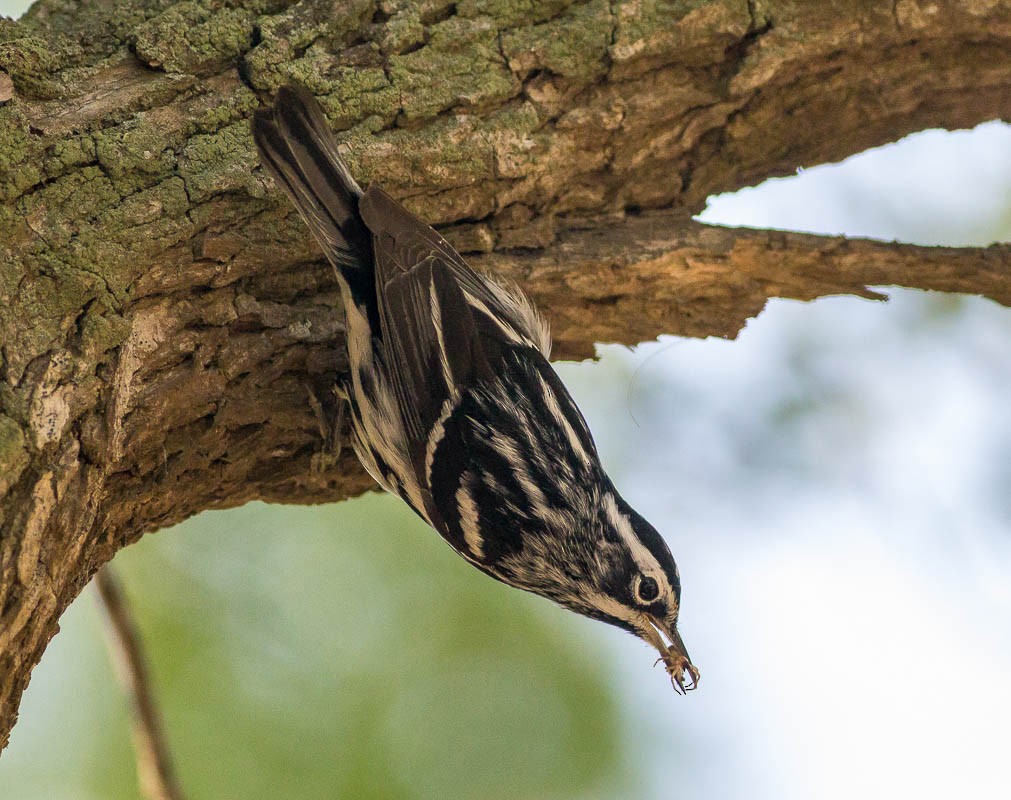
point(664, 636)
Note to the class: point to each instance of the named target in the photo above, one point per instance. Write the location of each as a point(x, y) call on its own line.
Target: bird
point(455, 408)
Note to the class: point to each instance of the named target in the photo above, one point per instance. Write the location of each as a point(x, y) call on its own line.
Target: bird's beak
point(664, 636)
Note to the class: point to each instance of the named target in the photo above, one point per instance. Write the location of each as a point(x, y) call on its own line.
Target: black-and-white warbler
point(454, 406)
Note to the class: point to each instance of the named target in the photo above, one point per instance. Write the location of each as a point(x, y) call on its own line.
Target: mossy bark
point(168, 333)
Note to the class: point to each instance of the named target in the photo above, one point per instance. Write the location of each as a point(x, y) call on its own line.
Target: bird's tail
point(298, 149)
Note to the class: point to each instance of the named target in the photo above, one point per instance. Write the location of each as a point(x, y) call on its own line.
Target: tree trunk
point(168, 332)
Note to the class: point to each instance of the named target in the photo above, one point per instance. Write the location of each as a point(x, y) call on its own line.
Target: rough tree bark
point(165, 319)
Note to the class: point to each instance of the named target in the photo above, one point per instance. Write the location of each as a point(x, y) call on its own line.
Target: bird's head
point(605, 561)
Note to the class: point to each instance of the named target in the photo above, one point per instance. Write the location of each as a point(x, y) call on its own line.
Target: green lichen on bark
point(194, 37)
point(68, 154)
point(403, 31)
point(651, 32)
point(31, 62)
point(142, 146)
point(214, 111)
point(57, 212)
point(219, 162)
point(101, 330)
point(99, 27)
point(460, 66)
point(121, 245)
point(512, 13)
point(286, 38)
point(574, 45)
point(356, 94)
point(20, 153)
point(13, 453)
point(453, 151)
point(81, 240)
point(40, 298)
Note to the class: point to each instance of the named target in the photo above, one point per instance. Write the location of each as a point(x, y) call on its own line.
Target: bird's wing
point(444, 327)
point(500, 301)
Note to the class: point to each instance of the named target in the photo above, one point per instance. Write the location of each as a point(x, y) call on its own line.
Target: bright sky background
point(14, 8)
point(848, 604)
point(836, 487)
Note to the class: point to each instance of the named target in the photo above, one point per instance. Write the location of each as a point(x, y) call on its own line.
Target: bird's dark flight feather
point(407, 240)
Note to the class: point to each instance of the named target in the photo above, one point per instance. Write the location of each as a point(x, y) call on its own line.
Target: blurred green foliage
point(344, 651)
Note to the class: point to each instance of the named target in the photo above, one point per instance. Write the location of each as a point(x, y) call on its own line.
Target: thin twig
point(154, 762)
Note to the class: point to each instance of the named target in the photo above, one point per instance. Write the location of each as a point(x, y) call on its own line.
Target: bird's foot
point(331, 429)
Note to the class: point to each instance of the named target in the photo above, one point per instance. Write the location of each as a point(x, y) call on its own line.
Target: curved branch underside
point(168, 334)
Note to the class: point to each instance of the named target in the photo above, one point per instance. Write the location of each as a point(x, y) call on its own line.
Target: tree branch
point(163, 311)
point(688, 279)
point(154, 760)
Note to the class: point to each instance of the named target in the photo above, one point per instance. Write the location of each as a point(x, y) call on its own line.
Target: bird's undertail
point(297, 147)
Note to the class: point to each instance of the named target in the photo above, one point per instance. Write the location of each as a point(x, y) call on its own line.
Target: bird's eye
point(646, 590)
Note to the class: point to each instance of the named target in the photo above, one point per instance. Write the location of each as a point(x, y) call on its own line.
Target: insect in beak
point(665, 638)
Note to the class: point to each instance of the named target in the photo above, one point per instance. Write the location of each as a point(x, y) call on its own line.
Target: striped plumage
point(455, 407)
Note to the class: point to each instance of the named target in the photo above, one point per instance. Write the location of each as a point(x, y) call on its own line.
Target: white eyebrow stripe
point(644, 559)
